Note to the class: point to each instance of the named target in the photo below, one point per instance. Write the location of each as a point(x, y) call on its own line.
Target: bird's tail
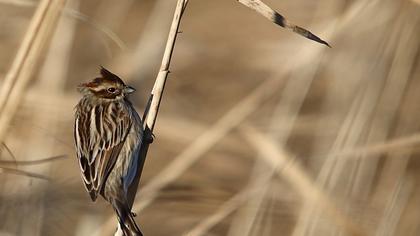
point(126, 219)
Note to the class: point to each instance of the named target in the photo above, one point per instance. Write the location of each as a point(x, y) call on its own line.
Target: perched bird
point(108, 135)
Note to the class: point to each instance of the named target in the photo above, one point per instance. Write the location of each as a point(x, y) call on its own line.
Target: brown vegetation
point(260, 132)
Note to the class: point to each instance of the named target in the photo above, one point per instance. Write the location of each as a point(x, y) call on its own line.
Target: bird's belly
point(125, 168)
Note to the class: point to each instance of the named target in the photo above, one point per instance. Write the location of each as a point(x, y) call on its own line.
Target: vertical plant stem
point(155, 98)
point(159, 85)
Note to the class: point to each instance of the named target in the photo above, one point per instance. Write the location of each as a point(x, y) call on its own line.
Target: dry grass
point(260, 131)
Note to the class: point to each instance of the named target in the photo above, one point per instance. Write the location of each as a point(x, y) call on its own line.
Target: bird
point(108, 135)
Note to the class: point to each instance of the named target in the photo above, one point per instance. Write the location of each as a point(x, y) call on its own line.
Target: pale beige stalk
point(158, 88)
point(40, 28)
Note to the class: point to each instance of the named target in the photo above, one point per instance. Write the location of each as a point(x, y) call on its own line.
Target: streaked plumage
point(108, 134)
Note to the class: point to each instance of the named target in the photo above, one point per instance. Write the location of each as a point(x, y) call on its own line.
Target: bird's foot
point(150, 138)
point(133, 214)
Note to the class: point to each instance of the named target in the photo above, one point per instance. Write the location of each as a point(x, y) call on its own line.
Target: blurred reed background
point(261, 132)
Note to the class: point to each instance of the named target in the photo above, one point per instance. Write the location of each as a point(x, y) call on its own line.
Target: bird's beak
point(129, 89)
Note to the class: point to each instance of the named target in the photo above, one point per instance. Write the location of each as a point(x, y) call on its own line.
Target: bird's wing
point(100, 134)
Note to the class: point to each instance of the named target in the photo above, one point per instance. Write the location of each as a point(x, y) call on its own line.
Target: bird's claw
point(133, 214)
point(150, 138)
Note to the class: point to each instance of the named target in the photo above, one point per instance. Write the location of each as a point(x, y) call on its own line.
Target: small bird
point(108, 135)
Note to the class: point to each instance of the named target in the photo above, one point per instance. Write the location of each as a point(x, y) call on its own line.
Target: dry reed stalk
point(157, 91)
point(155, 98)
point(22, 67)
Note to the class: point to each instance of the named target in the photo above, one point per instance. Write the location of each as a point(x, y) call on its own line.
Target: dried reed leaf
point(280, 20)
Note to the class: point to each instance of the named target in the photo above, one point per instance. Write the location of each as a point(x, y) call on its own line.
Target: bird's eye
point(111, 90)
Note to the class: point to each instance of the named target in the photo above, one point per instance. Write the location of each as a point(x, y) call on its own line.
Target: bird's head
point(108, 86)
